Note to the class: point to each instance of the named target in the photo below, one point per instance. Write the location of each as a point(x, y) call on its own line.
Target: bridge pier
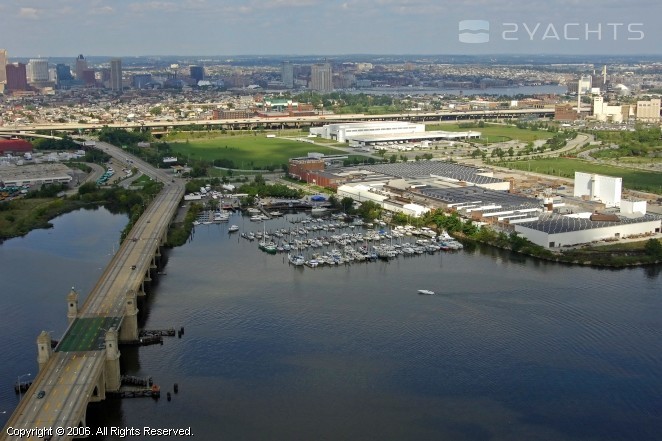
point(44, 349)
point(153, 265)
point(129, 329)
point(72, 305)
point(113, 379)
point(99, 391)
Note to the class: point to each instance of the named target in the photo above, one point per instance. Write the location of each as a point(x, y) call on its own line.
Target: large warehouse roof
point(431, 136)
point(554, 224)
point(428, 169)
point(466, 195)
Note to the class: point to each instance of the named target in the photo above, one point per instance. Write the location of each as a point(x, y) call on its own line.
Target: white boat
point(253, 210)
point(426, 292)
point(319, 210)
point(257, 218)
point(233, 228)
point(296, 260)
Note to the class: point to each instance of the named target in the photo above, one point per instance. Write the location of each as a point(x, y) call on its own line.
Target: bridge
point(281, 122)
point(85, 363)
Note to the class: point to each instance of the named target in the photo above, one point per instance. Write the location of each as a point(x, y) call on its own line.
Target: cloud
point(29, 13)
point(153, 6)
point(103, 10)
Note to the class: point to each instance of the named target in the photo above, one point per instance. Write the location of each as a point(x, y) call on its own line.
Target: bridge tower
point(72, 305)
point(112, 371)
point(129, 329)
point(44, 349)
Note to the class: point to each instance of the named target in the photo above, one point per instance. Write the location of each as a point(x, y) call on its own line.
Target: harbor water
point(509, 348)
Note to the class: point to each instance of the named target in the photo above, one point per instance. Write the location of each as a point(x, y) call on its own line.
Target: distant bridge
point(289, 122)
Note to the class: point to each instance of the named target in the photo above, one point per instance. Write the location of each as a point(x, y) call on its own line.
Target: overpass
point(282, 122)
point(85, 363)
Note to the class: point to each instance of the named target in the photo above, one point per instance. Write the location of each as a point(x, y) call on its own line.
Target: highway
point(301, 120)
point(71, 374)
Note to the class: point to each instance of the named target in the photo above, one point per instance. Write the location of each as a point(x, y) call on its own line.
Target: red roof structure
point(14, 146)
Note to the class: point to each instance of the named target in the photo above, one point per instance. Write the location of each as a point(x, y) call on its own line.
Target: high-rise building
point(287, 74)
point(3, 64)
point(81, 65)
point(649, 111)
point(63, 72)
point(89, 77)
point(197, 73)
point(116, 74)
point(38, 70)
point(16, 77)
point(321, 78)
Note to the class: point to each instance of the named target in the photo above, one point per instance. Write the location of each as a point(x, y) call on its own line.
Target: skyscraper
point(3, 64)
point(287, 74)
point(197, 73)
point(16, 77)
point(116, 74)
point(81, 65)
point(63, 72)
point(38, 70)
point(321, 78)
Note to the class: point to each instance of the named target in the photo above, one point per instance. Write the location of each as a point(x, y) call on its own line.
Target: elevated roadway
point(288, 121)
point(85, 363)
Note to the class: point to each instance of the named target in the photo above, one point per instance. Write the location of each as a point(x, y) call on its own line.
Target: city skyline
point(302, 27)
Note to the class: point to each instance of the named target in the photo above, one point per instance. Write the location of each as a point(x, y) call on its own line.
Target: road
point(69, 378)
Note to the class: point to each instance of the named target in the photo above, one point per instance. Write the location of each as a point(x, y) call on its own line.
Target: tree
point(653, 248)
point(347, 204)
point(369, 210)
point(393, 159)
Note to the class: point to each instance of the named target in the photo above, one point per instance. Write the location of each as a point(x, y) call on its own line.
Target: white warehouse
point(605, 189)
point(344, 132)
point(363, 192)
point(555, 231)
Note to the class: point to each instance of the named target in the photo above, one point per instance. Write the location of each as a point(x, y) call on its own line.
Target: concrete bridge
point(289, 122)
point(85, 363)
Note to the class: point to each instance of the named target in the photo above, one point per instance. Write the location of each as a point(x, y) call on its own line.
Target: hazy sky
point(229, 27)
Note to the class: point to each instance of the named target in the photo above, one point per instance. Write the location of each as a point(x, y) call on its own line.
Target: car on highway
point(41, 394)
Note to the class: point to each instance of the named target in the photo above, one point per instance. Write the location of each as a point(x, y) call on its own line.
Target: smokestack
point(604, 74)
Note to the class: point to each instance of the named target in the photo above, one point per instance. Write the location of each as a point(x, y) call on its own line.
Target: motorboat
point(426, 292)
point(233, 228)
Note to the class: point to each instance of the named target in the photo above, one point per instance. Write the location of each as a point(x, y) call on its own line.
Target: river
point(510, 348)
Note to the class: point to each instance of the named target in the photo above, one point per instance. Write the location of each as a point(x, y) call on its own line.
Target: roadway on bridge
point(69, 378)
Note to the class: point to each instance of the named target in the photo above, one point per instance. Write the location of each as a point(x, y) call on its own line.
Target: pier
point(84, 366)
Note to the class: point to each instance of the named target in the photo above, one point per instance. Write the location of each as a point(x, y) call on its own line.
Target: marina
point(332, 241)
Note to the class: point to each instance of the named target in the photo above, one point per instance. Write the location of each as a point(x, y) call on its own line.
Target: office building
point(17, 77)
point(649, 111)
point(3, 64)
point(197, 73)
point(63, 73)
point(321, 78)
point(81, 65)
point(89, 77)
point(287, 74)
point(38, 70)
point(140, 81)
point(116, 74)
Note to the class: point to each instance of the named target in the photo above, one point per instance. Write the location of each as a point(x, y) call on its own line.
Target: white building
point(344, 132)
point(604, 112)
point(605, 189)
point(557, 231)
point(364, 192)
point(321, 78)
point(649, 111)
point(38, 70)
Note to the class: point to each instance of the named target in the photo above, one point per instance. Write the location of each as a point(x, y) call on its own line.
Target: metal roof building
point(554, 231)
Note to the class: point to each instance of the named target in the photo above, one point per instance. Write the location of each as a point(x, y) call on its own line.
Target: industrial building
point(14, 147)
point(376, 193)
point(553, 231)
point(458, 175)
point(485, 205)
point(593, 187)
point(381, 132)
point(35, 174)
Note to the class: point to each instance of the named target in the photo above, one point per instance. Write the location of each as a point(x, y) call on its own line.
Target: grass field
point(247, 152)
point(496, 132)
point(216, 134)
point(565, 167)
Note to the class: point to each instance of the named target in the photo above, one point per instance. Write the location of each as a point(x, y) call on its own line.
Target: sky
point(53, 28)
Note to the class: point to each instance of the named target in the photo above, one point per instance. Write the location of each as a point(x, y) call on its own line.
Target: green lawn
point(496, 132)
point(249, 151)
point(565, 167)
